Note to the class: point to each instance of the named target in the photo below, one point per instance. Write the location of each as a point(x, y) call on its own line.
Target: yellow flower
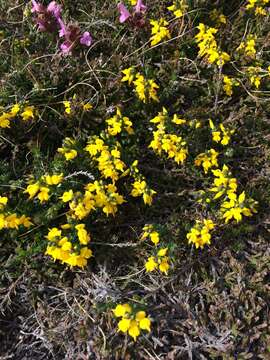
point(67, 105)
point(162, 252)
point(3, 201)
point(5, 120)
point(129, 75)
point(25, 221)
point(70, 155)
point(54, 179)
point(43, 195)
point(154, 237)
point(151, 264)
point(124, 325)
point(86, 253)
point(53, 233)
point(67, 196)
point(83, 236)
point(159, 31)
point(134, 330)
point(178, 8)
point(122, 309)
point(28, 113)
point(164, 266)
point(15, 109)
point(2, 221)
point(87, 107)
point(144, 322)
point(12, 221)
point(32, 189)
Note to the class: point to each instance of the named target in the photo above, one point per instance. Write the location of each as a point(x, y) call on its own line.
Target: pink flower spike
point(54, 8)
point(86, 39)
point(124, 13)
point(140, 7)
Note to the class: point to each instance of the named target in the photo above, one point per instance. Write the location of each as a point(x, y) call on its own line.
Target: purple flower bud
point(124, 13)
point(86, 39)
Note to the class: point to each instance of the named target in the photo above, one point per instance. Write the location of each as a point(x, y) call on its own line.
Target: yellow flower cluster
point(97, 195)
point(69, 245)
point(207, 160)
point(223, 183)
point(107, 157)
point(159, 31)
point(254, 75)
point(171, 144)
point(132, 322)
point(146, 89)
point(11, 221)
point(235, 207)
point(68, 149)
point(139, 186)
point(159, 260)
point(41, 189)
point(208, 47)
point(118, 123)
point(228, 83)
point(220, 134)
point(179, 8)
point(72, 105)
point(258, 5)
point(248, 46)
point(25, 112)
point(200, 235)
point(150, 232)
point(232, 206)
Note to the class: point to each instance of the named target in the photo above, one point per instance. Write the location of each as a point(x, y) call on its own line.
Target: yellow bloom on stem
point(129, 75)
point(54, 179)
point(67, 196)
point(164, 265)
point(43, 195)
point(154, 237)
point(28, 113)
point(134, 330)
point(53, 233)
point(3, 201)
point(124, 325)
point(122, 310)
point(150, 264)
point(159, 31)
point(32, 189)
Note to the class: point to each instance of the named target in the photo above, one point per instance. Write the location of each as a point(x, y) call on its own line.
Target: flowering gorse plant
point(132, 321)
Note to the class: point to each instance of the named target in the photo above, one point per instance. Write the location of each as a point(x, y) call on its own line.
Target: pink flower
point(124, 13)
point(47, 18)
point(66, 47)
point(37, 7)
point(62, 31)
point(140, 7)
point(86, 39)
point(72, 37)
point(54, 8)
